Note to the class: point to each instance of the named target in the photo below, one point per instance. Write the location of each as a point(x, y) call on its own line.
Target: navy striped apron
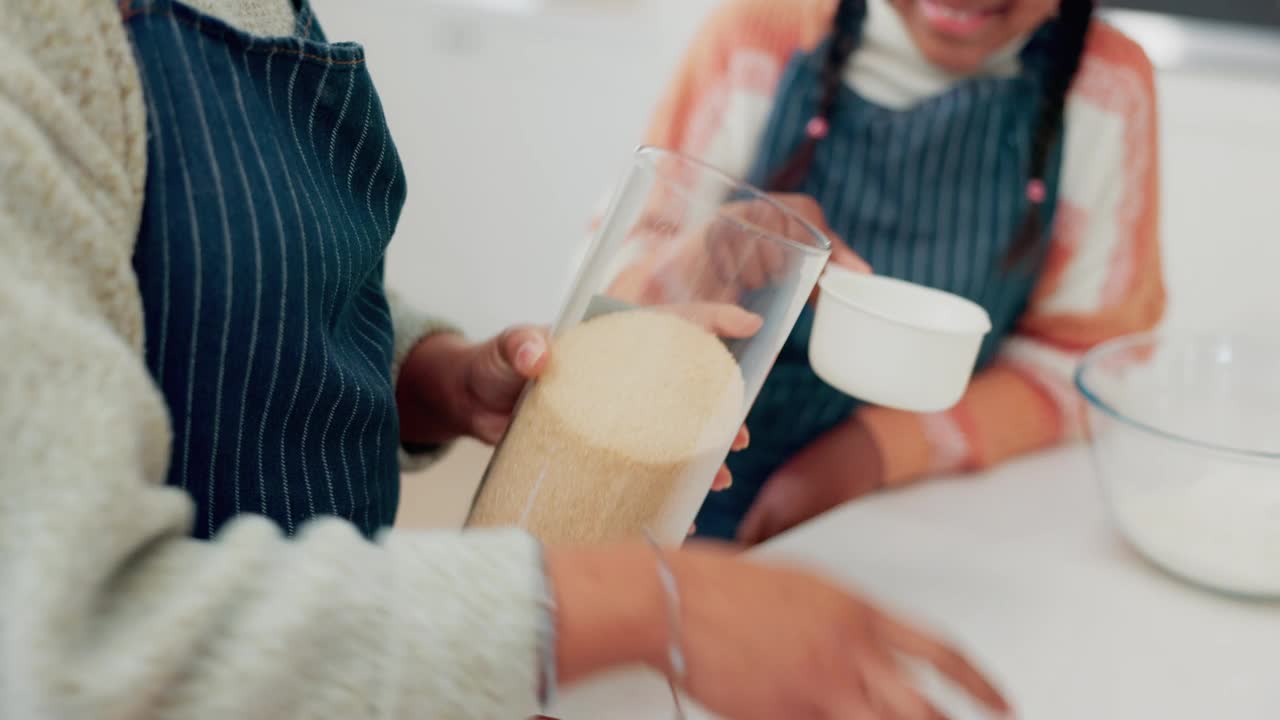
point(272, 191)
point(932, 194)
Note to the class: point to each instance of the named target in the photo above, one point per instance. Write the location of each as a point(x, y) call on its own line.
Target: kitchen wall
point(515, 116)
point(1221, 187)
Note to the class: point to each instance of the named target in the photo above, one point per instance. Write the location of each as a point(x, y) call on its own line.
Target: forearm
point(610, 609)
point(1003, 414)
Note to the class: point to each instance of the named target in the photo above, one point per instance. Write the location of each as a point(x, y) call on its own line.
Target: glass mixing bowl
point(1185, 436)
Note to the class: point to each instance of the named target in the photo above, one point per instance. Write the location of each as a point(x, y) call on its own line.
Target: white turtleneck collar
point(888, 68)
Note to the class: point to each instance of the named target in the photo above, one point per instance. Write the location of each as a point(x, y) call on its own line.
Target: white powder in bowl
point(623, 432)
point(1221, 530)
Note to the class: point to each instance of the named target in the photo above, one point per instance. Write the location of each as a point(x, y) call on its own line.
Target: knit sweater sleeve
point(110, 609)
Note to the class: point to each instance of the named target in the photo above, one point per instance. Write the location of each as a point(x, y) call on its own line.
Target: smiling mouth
point(960, 22)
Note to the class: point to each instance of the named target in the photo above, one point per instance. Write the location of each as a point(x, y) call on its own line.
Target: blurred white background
point(515, 117)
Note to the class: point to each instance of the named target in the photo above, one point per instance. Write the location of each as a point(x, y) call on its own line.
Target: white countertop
point(1021, 568)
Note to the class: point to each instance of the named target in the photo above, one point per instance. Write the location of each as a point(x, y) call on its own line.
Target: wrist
point(897, 441)
point(842, 464)
point(861, 461)
point(431, 390)
point(611, 609)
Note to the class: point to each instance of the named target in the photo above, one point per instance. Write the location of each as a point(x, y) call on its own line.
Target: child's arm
point(717, 103)
point(712, 111)
point(110, 609)
point(1103, 279)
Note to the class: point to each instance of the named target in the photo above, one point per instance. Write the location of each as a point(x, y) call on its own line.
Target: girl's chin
point(955, 39)
point(952, 57)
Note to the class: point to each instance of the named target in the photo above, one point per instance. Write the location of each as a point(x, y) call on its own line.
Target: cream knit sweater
point(107, 609)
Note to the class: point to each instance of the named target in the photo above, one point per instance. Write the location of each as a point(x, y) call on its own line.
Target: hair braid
point(1066, 50)
point(844, 40)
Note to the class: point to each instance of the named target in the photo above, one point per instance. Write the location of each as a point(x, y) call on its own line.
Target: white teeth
point(950, 12)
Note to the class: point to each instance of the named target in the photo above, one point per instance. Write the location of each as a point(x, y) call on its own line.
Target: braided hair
point(844, 40)
point(1065, 50)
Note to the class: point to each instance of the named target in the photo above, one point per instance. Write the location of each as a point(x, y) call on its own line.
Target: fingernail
point(528, 355)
